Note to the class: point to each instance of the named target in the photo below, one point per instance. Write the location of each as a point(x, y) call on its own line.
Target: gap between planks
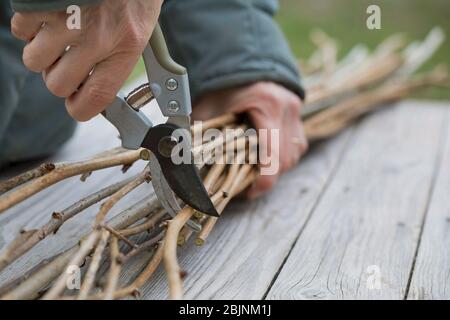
point(430, 278)
point(252, 239)
point(328, 262)
point(437, 169)
point(311, 211)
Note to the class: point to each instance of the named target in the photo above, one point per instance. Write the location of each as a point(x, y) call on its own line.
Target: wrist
point(48, 5)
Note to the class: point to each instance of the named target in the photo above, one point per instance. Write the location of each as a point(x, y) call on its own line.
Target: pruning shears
point(169, 85)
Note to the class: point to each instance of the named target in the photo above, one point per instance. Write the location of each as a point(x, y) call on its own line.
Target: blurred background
point(345, 21)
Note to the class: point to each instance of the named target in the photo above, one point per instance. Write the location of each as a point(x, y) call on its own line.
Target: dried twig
point(332, 120)
point(22, 245)
point(25, 177)
point(172, 267)
point(107, 206)
point(242, 181)
point(145, 226)
point(214, 123)
point(147, 245)
point(338, 95)
point(184, 236)
point(119, 236)
point(85, 248)
point(93, 267)
point(142, 278)
point(30, 285)
point(64, 171)
point(114, 270)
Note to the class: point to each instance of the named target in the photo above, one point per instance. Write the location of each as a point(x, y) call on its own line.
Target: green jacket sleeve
point(223, 43)
point(229, 43)
point(47, 5)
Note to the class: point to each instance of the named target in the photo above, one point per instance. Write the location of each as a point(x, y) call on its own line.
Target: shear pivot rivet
point(166, 145)
point(173, 106)
point(172, 84)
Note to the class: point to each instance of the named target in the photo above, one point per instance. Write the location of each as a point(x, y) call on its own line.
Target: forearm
point(229, 43)
point(47, 5)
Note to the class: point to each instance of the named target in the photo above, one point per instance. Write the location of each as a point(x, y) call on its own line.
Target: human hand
point(269, 106)
point(102, 53)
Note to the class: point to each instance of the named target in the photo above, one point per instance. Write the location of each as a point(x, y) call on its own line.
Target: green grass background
point(345, 20)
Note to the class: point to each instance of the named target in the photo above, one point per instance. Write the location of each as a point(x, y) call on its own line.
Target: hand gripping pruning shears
point(169, 85)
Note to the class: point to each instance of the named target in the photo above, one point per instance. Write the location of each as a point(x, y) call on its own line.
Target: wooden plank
point(95, 136)
point(431, 276)
point(366, 226)
point(250, 243)
point(91, 138)
point(252, 239)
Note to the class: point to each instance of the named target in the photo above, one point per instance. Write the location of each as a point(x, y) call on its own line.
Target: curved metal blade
point(167, 199)
point(165, 194)
point(183, 178)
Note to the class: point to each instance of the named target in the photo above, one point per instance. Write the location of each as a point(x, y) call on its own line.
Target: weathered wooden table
point(365, 215)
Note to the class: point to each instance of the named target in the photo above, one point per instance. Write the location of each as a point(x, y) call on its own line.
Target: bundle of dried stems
point(339, 93)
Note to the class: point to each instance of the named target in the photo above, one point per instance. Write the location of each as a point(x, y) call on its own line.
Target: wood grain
point(251, 240)
point(431, 276)
point(356, 201)
point(90, 138)
point(368, 222)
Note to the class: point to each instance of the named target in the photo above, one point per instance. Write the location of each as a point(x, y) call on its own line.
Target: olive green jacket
point(223, 43)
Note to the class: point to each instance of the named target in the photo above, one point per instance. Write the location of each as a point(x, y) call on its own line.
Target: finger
point(270, 156)
point(205, 110)
point(290, 152)
point(25, 26)
point(66, 76)
point(299, 139)
point(101, 87)
point(47, 47)
point(296, 139)
point(280, 151)
point(261, 185)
